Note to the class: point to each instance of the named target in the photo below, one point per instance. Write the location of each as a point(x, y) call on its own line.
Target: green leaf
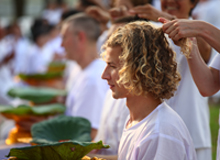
point(48, 109)
point(36, 94)
point(20, 110)
point(28, 110)
point(56, 66)
point(71, 150)
point(61, 128)
point(41, 76)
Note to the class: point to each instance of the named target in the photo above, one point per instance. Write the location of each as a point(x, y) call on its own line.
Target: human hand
point(98, 13)
point(118, 12)
point(149, 12)
point(146, 11)
point(179, 28)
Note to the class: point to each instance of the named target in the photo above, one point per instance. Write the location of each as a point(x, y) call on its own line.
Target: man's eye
point(113, 66)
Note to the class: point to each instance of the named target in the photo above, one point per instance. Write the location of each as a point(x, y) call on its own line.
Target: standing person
point(188, 102)
point(141, 67)
point(206, 78)
point(80, 33)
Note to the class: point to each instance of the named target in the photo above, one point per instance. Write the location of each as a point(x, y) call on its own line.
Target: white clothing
point(52, 16)
point(6, 47)
point(39, 58)
point(71, 72)
point(6, 83)
point(208, 11)
point(113, 118)
point(191, 105)
point(162, 135)
point(88, 93)
point(19, 46)
point(56, 45)
point(204, 153)
point(6, 77)
point(157, 4)
point(20, 54)
point(216, 64)
point(101, 41)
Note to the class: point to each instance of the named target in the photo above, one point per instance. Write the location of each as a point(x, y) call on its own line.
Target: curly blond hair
point(147, 62)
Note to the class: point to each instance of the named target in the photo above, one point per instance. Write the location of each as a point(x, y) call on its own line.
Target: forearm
point(204, 78)
point(210, 34)
point(204, 49)
point(93, 133)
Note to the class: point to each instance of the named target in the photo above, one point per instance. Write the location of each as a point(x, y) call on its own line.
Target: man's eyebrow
point(110, 63)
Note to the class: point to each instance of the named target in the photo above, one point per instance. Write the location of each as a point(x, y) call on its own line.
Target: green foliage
point(41, 76)
point(61, 128)
point(56, 66)
point(36, 94)
point(214, 116)
point(28, 110)
point(56, 151)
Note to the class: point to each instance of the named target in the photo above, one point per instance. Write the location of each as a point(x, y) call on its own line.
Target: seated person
point(85, 99)
point(141, 67)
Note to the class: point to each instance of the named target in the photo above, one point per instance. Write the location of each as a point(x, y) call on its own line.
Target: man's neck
point(140, 107)
point(90, 54)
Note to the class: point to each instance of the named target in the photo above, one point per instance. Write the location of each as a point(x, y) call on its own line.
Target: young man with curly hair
point(141, 67)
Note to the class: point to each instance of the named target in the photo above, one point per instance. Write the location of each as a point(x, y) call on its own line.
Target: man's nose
point(105, 74)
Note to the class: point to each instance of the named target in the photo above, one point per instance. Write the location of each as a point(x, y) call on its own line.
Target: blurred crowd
point(46, 40)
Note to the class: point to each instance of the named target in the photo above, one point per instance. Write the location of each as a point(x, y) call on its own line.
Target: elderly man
point(80, 33)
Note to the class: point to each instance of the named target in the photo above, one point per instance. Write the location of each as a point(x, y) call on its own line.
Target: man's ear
point(82, 36)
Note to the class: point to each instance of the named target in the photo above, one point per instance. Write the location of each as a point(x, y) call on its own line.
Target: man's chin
point(115, 96)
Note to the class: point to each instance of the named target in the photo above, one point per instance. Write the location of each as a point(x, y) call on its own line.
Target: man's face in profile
point(111, 72)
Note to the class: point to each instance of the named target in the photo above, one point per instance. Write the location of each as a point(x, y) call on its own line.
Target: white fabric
point(190, 105)
point(6, 83)
point(208, 11)
point(204, 153)
point(20, 54)
point(88, 93)
point(39, 58)
point(20, 47)
point(71, 72)
point(101, 40)
point(6, 77)
point(215, 63)
point(5, 47)
point(52, 16)
point(113, 118)
point(56, 45)
point(157, 4)
point(162, 135)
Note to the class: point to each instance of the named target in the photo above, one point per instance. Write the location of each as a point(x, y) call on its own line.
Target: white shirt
point(113, 118)
point(39, 58)
point(162, 135)
point(208, 11)
point(88, 93)
point(191, 105)
point(216, 64)
point(20, 54)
